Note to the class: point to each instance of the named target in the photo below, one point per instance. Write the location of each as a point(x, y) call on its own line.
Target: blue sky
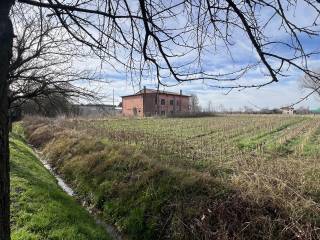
point(285, 92)
point(275, 95)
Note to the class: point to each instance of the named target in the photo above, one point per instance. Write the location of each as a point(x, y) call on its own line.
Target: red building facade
point(150, 102)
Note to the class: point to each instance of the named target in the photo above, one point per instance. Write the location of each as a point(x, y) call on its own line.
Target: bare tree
point(6, 36)
point(210, 107)
point(194, 103)
point(248, 109)
point(42, 63)
point(303, 110)
point(41, 68)
point(170, 40)
point(149, 36)
point(310, 83)
point(56, 104)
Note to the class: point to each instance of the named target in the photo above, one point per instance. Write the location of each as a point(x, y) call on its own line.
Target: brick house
point(150, 102)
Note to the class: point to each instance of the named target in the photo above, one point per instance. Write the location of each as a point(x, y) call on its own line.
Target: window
point(163, 102)
point(171, 112)
point(171, 102)
point(178, 102)
point(163, 113)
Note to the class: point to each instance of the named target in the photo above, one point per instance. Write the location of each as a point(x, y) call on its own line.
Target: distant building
point(287, 110)
point(150, 102)
point(96, 110)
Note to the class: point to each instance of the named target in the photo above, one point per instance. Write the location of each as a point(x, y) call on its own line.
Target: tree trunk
point(6, 36)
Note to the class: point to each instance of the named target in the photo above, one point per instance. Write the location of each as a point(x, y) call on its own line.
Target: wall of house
point(149, 104)
point(132, 106)
point(180, 104)
point(288, 111)
point(185, 104)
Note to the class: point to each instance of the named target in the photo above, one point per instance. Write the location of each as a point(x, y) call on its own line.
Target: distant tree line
point(248, 110)
point(56, 105)
point(196, 110)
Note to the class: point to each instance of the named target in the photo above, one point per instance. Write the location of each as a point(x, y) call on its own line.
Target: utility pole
point(113, 107)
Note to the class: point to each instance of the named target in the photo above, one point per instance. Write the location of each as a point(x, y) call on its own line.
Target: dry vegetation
point(225, 177)
point(39, 207)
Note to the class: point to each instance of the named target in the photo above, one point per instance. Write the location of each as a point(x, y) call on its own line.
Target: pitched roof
point(150, 91)
point(287, 108)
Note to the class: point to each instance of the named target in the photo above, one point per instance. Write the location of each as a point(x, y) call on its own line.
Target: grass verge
point(39, 208)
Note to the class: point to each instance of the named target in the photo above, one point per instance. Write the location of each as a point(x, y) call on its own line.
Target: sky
point(283, 93)
point(276, 95)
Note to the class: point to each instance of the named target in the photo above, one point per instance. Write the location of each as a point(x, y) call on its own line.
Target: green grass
point(190, 178)
point(250, 143)
point(131, 190)
point(39, 208)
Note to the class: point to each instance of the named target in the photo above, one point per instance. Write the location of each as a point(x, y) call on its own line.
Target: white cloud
point(285, 92)
point(272, 96)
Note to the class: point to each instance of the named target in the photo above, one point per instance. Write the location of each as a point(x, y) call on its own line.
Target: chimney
point(144, 89)
point(180, 92)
